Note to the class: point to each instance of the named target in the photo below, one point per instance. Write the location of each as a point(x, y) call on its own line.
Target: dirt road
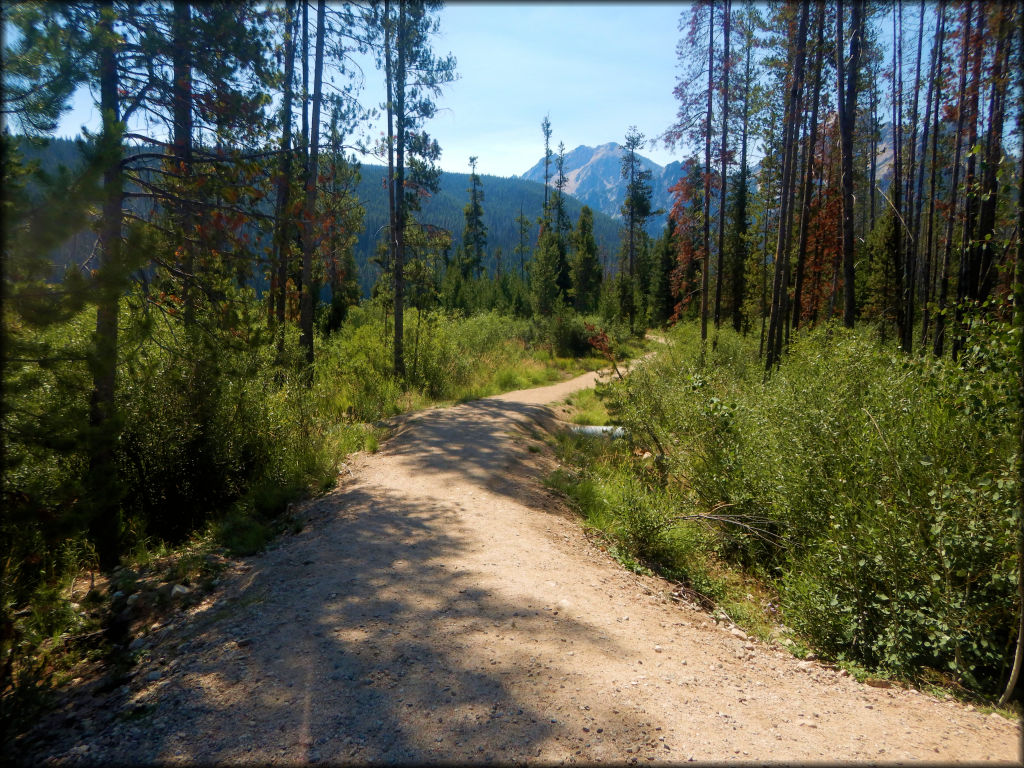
point(441, 605)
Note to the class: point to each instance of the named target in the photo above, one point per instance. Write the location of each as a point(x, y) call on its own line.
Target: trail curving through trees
point(441, 605)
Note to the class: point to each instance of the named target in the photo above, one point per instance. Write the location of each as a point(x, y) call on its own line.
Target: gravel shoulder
point(440, 605)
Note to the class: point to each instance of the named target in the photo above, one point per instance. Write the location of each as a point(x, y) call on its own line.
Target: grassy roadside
point(658, 514)
point(81, 622)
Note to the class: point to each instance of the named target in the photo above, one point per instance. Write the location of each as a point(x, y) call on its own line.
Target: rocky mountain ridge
point(595, 178)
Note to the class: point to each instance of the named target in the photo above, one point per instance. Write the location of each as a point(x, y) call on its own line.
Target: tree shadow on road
point(363, 638)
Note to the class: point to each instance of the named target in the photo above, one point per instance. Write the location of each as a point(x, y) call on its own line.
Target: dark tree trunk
point(304, 98)
point(103, 482)
point(182, 141)
point(967, 285)
point(947, 247)
point(302, 147)
point(312, 174)
point(739, 277)
point(284, 182)
point(725, 143)
point(398, 263)
point(873, 149)
point(764, 271)
point(847, 100)
point(982, 247)
point(927, 281)
point(805, 208)
point(798, 160)
point(780, 282)
point(897, 157)
point(913, 197)
point(706, 264)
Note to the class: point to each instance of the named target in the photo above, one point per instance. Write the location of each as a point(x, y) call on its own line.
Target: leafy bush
point(218, 431)
point(639, 520)
point(643, 519)
point(880, 488)
point(568, 334)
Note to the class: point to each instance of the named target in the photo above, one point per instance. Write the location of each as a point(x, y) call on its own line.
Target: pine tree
point(938, 340)
point(342, 214)
point(723, 160)
point(522, 250)
point(585, 269)
point(780, 279)
point(283, 219)
point(660, 303)
point(474, 236)
point(561, 224)
point(545, 127)
point(312, 172)
point(686, 216)
point(694, 124)
point(739, 239)
point(808, 171)
point(546, 297)
point(931, 119)
point(414, 76)
point(636, 210)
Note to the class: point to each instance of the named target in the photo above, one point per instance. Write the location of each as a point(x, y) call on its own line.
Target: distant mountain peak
point(594, 177)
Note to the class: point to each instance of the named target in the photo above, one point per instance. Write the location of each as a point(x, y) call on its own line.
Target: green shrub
point(217, 430)
point(242, 534)
point(882, 487)
point(643, 520)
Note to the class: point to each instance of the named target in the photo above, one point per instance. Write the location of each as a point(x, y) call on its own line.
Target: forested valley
point(210, 300)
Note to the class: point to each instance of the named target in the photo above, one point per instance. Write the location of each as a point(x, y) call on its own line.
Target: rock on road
point(441, 605)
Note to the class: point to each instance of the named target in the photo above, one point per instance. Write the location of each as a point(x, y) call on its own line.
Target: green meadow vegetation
point(216, 442)
point(857, 502)
point(202, 316)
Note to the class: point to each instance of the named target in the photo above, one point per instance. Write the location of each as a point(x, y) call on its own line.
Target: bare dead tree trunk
point(847, 95)
point(805, 207)
point(780, 282)
point(724, 165)
point(927, 282)
point(982, 247)
point(896, 188)
point(706, 265)
point(967, 285)
point(917, 184)
point(940, 316)
point(913, 196)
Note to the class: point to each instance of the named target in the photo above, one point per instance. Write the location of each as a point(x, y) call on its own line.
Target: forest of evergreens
point(836, 413)
point(507, 199)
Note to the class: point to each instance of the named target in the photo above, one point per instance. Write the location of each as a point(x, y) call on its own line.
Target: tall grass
point(874, 491)
point(217, 435)
point(448, 358)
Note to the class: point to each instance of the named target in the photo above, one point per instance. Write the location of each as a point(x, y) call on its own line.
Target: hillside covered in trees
point(506, 199)
point(836, 416)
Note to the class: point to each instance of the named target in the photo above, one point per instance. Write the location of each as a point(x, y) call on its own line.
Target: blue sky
point(595, 69)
